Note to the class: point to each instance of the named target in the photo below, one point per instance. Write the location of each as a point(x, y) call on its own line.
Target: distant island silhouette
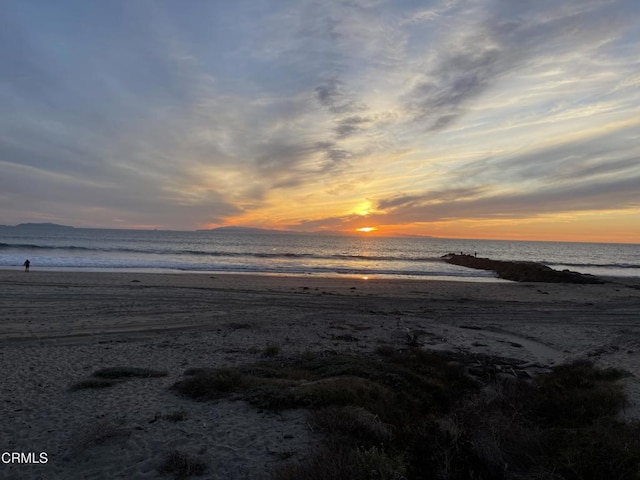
point(39, 225)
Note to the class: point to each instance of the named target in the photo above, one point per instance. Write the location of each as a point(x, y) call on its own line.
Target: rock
point(522, 271)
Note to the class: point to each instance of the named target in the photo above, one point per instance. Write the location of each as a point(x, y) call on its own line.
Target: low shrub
point(182, 464)
point(209, 384)
point(339, 461)
point(93, 383)
point(178, 416)
point(577, 394)
point(128, 372)
point(413, 414)
point(271, 351)
point(353, 422)
point(108, 377)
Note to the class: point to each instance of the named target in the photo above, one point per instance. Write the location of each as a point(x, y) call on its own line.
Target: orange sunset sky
point(475, 119)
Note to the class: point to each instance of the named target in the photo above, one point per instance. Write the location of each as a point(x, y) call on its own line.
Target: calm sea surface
point(294, 254)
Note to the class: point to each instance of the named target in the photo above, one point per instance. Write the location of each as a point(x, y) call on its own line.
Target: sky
point(513, 119)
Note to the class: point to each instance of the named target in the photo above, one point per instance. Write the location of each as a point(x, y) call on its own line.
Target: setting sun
point(366, 229)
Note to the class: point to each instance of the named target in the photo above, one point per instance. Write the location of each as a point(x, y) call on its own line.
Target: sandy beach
point(56, 328)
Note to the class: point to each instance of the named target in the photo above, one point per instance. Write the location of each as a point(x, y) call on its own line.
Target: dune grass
point(110, 376)
point(413, 414)
point(92, 383)
point(413, 379)
point(128, 372)
point(182, 465)
point(272, 350)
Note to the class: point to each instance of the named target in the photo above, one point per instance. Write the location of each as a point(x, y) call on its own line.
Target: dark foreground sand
point(58, 328)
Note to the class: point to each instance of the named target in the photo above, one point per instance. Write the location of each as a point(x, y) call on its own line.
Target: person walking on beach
point(26, 265)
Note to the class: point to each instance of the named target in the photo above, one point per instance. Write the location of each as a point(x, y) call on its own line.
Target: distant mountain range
point(231, 229)
point(38, 225)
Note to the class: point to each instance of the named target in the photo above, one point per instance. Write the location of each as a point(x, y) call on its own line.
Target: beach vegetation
point(177, 416)
point(285, 455)
point(339, 461)
point(354, 422)
point(316, 381)
point(210, 383)
point(413, 414)
point(272, 350)
point(108, 377)
point(128, 372)
point(182, 465)
point(578, 394)
point(413, 338)
point(91, 383)
point(346, 338)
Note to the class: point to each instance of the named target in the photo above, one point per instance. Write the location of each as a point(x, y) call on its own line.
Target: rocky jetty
point(521, 271)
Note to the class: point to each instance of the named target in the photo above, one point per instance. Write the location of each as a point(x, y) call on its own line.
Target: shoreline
point(168, 271)
point(473, 276)
point(56, 328)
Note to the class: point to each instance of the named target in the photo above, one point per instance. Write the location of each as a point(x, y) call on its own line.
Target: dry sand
point(57, 328)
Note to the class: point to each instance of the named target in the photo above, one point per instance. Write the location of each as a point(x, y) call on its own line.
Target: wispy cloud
point(207, 113)
point(620, 193)
point(487, 42)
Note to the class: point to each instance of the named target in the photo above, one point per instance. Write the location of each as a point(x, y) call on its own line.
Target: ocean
point(233, 251)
